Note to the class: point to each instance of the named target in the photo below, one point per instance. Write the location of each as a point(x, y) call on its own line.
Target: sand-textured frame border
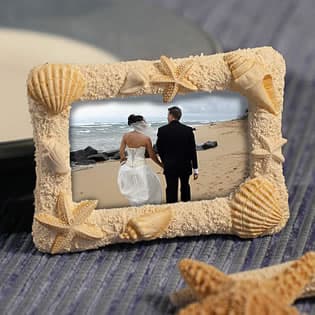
point(258, 207)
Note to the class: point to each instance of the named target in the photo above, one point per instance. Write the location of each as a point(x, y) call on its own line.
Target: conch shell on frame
point(55, 86)
point(251, 79)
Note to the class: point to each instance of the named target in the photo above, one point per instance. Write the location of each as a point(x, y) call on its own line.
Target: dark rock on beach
point(209, 144)
point(83, 157)
point(77, 155)
point(116, 156)
point(102, 156)
point(89, 150)
point(89, 155)
point(111, 153)
point(83, 162)
point(82, 154)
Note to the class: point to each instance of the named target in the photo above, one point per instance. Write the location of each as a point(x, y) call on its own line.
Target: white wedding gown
point(137, 181)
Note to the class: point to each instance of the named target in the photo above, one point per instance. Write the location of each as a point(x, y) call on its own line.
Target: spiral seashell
point(55, 86)
point(252, 80)
point(255, 209)
point(270, 90)
point(147, 226)
point(55, 155)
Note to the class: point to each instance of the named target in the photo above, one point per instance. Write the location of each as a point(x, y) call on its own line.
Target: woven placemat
point(124, 279)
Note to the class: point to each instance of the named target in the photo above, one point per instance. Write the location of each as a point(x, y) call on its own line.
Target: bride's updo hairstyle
point(134, 118)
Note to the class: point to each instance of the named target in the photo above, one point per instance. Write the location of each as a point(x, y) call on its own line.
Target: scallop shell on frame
point(255, 209)
point(147, 226)
point(251, 78)
point(55, 155)
point(55, 86)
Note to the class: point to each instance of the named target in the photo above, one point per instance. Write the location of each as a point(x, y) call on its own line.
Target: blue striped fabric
point(124, 279)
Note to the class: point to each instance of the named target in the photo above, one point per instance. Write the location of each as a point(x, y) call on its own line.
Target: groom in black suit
point(176, 147)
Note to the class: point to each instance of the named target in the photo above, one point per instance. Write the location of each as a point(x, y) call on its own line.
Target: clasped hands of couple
point(124, 159)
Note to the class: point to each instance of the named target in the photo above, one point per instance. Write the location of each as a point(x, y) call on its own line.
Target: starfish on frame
point(218, 293)
point(270, 150)
point(174, 78)
point(69, 222)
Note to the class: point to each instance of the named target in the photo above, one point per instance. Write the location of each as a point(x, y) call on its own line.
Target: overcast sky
point(202, 107)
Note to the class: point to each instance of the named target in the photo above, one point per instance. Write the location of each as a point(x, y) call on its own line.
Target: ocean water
point(105, 136)
point(102, 124)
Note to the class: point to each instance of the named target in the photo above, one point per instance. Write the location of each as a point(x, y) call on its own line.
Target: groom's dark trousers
point(177, 148)
point(172, 187)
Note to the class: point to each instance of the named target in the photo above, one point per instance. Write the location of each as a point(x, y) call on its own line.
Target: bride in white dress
point(136, 180)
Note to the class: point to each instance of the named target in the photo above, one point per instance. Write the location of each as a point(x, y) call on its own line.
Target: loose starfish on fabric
point(69, 222)
point(269, 151)
point(174, 78)
point(219, 293)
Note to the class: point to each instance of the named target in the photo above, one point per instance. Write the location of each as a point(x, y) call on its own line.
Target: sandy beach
point(221, 169)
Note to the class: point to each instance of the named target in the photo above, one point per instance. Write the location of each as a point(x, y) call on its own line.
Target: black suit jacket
point(177, 148)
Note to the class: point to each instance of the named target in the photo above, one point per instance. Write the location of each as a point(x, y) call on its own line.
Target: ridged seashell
point(270, 90)
point(55, 155)
point(135, 80)
point(204, 279)
point(255, 209)
point(251, 78)
point(55, 86)
point(147, 226)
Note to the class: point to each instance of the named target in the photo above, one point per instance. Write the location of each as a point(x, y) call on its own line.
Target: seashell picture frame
point(258, 207)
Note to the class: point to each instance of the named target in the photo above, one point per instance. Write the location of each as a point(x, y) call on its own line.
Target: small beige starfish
point(174, 78)
point(270, 150)
point(70, 222)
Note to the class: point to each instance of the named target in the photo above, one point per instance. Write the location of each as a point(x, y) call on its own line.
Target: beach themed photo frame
point(259, 206)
